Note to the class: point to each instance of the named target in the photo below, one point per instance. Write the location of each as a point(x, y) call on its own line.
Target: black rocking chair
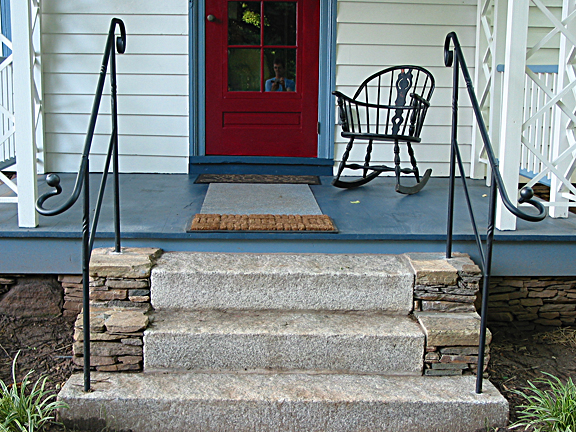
point(389, 106)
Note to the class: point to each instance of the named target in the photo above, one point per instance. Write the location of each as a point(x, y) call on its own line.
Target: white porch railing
point(534, 128)
point(537, 126)
point(7, 144)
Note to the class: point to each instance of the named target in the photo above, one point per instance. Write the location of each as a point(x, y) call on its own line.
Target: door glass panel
point(279, 23)
point(244, 23)
point(243, 69)
point(280, 69)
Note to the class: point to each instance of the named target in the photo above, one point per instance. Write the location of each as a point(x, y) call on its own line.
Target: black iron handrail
point(83, 181)
point(456, 59)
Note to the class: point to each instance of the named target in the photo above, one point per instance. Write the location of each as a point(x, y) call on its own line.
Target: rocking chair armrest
point(420, 99)
point(341, 95)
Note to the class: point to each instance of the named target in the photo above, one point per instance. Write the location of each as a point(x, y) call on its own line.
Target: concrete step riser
point(283, 341)
point(282, 281)
point(288, 403)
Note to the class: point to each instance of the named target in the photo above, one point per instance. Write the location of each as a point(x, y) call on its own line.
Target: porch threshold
point(260, 165)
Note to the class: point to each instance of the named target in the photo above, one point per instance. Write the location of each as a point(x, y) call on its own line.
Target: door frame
point(197, 75)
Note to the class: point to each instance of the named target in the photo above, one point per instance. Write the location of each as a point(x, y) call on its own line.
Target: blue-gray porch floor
point(156, 208)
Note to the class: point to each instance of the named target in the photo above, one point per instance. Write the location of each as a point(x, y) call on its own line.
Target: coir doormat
point(258, 178)
point(262, 222)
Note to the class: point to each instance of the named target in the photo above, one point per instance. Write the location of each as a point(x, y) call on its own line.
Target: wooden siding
point(153, 74)
point(152, 83)
point(374, 34)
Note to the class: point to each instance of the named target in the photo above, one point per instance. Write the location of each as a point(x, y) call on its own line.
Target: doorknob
point(211, 18)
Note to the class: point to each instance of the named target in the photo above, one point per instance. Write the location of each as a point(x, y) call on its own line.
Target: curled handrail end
point(448, 53)
point(526, 195)
point(120, 40)
point(53, 180)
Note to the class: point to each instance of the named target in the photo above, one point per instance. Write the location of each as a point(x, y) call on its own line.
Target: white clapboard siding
point(136, 44)
point(132, 145)
point(375, 34)
point(538, 26)
point(127, 105)
point(128, 164)
point(152, 83)
point(136, 24)
point(154, 125)
point(129, 63)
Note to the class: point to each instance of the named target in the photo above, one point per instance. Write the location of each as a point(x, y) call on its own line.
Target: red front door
point(262, 77)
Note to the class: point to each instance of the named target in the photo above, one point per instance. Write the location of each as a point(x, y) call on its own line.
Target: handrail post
point(83, 181)
point(85, 275)
point(486, 285)
point(114, 102)
point(456, 59)
point(453, 144)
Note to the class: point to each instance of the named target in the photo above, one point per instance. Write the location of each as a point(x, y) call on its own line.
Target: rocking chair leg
point(344, 158)
point(367, 158)
point(397, 162)
point(413, 162)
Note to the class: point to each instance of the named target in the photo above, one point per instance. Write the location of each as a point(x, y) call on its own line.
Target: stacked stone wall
point(530, 303)
point(119, 306)
point(445, 292)
point(6, 283)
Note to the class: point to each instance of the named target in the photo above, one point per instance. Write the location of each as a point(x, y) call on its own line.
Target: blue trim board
point(531, 174)
point(6, 25)
point(327, 78)
point(260, 165)
point(62, 255)
point(534, 68)
point(7, 163)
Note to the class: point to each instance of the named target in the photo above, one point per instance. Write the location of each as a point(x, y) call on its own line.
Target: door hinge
point(318, 128)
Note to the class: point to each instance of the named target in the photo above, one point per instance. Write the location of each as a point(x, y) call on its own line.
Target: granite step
point(344, 342)
point(283, 281)
point(281, 402)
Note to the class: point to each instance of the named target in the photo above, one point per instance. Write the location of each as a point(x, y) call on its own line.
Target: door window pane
point(280, 69)
point(279, 23)
point(244, 23)
point(243, 69)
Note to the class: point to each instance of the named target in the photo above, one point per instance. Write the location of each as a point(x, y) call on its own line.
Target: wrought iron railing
point(83, 181)
point(456, 60)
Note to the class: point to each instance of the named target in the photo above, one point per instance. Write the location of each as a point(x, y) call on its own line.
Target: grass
point(549, 410)
point(26, 406)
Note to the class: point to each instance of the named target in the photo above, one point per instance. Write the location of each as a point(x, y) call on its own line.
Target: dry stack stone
point(445, 291)
point(119, 306)
point(72, 285)
point(528, 303)
point(6, 283)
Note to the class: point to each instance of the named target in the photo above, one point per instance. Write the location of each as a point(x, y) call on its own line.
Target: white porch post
point(561, 122)
point(24, 108)
point(490, 49)
point(512, 107)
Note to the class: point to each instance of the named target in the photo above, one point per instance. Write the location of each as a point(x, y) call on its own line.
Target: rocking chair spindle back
point(390, 105)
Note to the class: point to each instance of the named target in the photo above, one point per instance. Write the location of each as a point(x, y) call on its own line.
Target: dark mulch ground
point(521, 356)
point(45, 345)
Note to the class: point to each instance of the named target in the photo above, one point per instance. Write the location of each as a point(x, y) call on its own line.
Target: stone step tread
point(313, 323)
point(282, 281)
point(285, 263)
point(287, 402)
point(360, 342)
